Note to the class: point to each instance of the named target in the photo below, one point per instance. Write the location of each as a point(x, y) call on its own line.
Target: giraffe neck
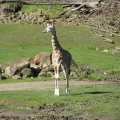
point(55, 43)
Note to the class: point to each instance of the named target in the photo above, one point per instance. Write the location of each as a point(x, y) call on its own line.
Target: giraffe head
point(50, 28)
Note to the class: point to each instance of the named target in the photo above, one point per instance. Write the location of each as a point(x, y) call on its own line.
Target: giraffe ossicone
point(61, 58)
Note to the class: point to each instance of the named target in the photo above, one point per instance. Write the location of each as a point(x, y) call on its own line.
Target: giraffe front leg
point(57, 93)
point(56, 81)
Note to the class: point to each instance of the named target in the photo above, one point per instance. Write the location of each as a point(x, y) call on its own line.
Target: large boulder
point(5, 8)
point(16, 77)
point(10, 71)
point(27, 72)
point(42, 58)
point(45, 74)
point(15, 67)
point(116, 51)
point(0, 72)
point(35, 69)
point(19, 64)
point(38, 66)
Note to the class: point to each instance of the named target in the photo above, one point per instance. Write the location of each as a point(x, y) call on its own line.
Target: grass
point(97, 101)
point(46, 9)
point(18, 41)
point(10, 80)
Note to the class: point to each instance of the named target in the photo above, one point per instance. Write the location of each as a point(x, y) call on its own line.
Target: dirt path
point(9, 114)
point(45, 85)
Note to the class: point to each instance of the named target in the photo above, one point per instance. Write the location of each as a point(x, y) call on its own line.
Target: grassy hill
point(94, 102)
point(26, 40)
point(17, 41)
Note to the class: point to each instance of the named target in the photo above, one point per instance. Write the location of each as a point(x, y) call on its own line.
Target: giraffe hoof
point(56, 94)
point(67, 91)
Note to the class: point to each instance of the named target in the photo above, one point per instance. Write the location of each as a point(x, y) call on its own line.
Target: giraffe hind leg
point(67, 84)
point(66, 73)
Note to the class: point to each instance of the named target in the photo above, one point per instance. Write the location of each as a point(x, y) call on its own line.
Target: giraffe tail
point(69, 72)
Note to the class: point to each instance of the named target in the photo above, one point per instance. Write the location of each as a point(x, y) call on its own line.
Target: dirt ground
point(6, 114)
point(46, 85)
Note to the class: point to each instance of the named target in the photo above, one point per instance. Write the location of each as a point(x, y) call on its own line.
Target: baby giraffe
point(60, 59)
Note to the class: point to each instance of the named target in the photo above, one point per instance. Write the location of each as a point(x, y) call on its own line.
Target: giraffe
point(61, 58)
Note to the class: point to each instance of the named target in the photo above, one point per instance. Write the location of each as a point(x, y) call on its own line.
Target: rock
point(17, 7)
point(40, 20)
point(0, 72)
point(16, 77)
point(48, 69)
point(45, 74)
point(39, 12)
point(42, 74)
point(15, 67)
point(31, 60)
point(23, 17)
point(10, 71)
point(5, 20)
point(50, 74)
point(73, 74)
point(31, 15)
point(44, 66)
point(5, 8)
point(27, 72)
point(62, 75)
point(35, 68)
point(19, 64)
point(105, 50)
point(116, 52)
point(117, 48)
point(40, 65)
point(43, 57)
point(93, 4)
point(34, 20)
point(5, 65)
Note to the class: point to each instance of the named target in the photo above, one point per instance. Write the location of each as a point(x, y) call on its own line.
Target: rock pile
point(116, 51)
point(66, 17)
point(21, 17)
point(38, 66)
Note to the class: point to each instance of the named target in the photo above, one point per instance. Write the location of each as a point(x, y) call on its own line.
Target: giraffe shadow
point(97, 92)
point(92, 93)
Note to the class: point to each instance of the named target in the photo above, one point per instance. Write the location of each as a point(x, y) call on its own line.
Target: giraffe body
point(60, 59)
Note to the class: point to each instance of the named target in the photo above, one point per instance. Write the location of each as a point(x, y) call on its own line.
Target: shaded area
point(97, 92)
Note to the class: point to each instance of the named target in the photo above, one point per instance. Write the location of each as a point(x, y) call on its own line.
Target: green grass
point(46, 9)
point(18, 41)
point(97, 101)
point(10, 80)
